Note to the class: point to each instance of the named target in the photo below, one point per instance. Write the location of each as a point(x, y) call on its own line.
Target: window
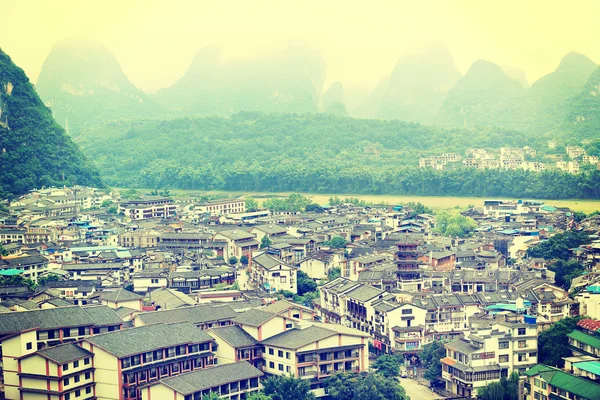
point(287, 355)
point(66, 367)
point(271, 364)
point(289, 326)
point(503, 345)
point(86, 361)
point(88, 375)
point(66, 332)
point(522, 344)
point(288, 369)
point(522, 331)
point(66, 381)
point(280, 367)
point(283, 279)
point(503, 358)
point(77, 378)
point(88, 390)
point(534, 354)
point(68, 396)
point(76, 364)
point(29, 345)
point(407, 311)
point(82, 331)
point(271, 351)
point(158, 355)
point(175, 367)
point(280, 353)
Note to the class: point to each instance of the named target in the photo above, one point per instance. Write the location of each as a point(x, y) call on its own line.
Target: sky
point(360, 41)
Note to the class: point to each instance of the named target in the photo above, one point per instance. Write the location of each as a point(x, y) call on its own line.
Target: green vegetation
point(244, 260)
point(553, 343)
point(336, 201)
point(34, 149)
point(16, 280)
point(454, 224)
point(387, 365)
point(430, 356)
point(417, 209)
point(265, 242)
point(336, 242)
point(251, 204)
point(305, 284)
point(504, 389)
point(3, 251)
point(287, 387)
point(565, 271)
point(293, 203)
point(276, 152)
point(233, 260)
point(557, 247)
point(347, 386)
point(583, 117)
point(334, 273)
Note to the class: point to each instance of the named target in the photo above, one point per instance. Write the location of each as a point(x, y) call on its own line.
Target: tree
point(48, 278)
point(336, 242)
point(3, 251)
point(260, 395)
point(504, 389)
point(112, 210)
point(430, 356)
point(557, 247)
point(106, 203)
point(265, 242)
point(244, 260)
point(334, 273)
point(251, 204)
point(387, 365)
point(286, 388)
point(579, 216)
point(417, 209)
point(341, 386)
point(314, 207)
point(565, 271)
point(457, 225)
point(347, 386)
point(15, 280)
point(233, 260)
point(553, 343)
point(212, 396)
point(304, 283)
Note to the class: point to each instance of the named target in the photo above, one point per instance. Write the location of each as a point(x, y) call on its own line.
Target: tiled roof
point(211, 377)
point(296, 338)
point(581, 387)
point(590, 340)
point(65, 353)
point(253, 317)
point(148, 338)
point(119, 295)
point(195, 315)
point(234, 335)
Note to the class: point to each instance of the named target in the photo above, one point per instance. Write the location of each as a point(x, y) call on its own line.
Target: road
point(417, 391)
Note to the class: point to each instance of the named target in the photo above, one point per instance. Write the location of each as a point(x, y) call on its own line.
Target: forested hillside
point(312, 152)
point(34, 149)
point(583, 118)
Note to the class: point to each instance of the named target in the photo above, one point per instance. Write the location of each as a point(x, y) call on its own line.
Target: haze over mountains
point(84, 84)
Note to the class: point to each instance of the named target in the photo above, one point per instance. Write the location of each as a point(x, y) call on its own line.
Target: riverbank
point(434, 202)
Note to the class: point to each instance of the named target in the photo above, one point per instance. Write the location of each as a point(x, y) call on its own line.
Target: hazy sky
point(155, 40)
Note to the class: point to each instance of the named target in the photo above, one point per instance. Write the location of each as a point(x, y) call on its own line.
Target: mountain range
point(83, 84)
point(34, 150)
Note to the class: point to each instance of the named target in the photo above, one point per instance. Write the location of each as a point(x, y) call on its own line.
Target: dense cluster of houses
point(114, 298)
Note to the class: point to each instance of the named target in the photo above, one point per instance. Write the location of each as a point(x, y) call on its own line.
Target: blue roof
point(509, 231)
point(505, 307)
point(589, 366)
point(10, 272)
point(593, 289)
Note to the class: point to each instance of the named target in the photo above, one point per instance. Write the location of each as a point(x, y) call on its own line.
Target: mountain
point(517, 74)
point(83, 83)
point(291, 81)
point(34, 149)
point(552, 94)
point(486, 95)
point(370, 106)
point(335, 94)
point(582, 120)
point(418, 86)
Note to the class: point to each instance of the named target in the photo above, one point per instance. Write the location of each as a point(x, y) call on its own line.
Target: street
point(417, 391)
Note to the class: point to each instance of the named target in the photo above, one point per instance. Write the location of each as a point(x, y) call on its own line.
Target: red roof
point(148, 308)
point(589, 324)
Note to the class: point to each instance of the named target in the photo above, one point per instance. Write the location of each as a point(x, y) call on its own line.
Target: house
point(169, 299)
point(190, 281)
point(222, 206)
point(229, 381)
point(202, 316)
point(318, 264)
point(238, 243)
point(148, 208)
point(545, 382)
point(126, 360)
point(32, 266)
point(269, 230)
point(121, 298)
point(235, 345)
point(261, 324)
point(141, 238)
point(150, 279)
point(291, 310)
point(272, 274)
point(316, 352)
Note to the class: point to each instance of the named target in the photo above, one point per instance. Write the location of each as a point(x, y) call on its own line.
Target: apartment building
point(220, 207)
point(121, 298)
point(139, 238)
point(354, 266)
point(543, 382)
point(8, 236)
point(575, 151)
point(150, 279)
point(148, 208)
point(202, 316)
point(128, 359)
point(235, 345)
point(316, 352)
point(237, 243)
point(272, 274)
point(230, 381)
point(32, 267)
point(488, 354)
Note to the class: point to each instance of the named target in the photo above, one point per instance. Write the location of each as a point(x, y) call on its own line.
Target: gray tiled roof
point(55, 318)
point(195, 315)
point(296, 338)
point(253, 317)
point(234, 335)
point(364, 293)
point(266, 261)
point(20, 261)
point(148, 338)
point(119, 295)
point(212, 377)
point(65, 353)
point(462, 346)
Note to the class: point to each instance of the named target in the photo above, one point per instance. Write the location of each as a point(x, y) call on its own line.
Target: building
point(229, 381)
point(575, 151)
point(190, 281)
point(318, 264)
point(149, 207)
point(272, 274)
point(408, 266)
point(235, 345)
point(543, 382)
point(316, 352)
point(121, 298)
point(487, 355)
point(238, 243)
point(32, 267)
point(139, 238)
point(150, 279)
point(128, 359)
point(202, 316)
point(8, 236)
point(224, 206)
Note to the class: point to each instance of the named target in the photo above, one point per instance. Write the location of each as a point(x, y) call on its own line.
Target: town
point(134, 294)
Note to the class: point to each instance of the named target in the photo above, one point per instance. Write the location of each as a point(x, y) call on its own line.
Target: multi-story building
point(272, 274)
point(147, 208)
point(8, 236)
point(234, 345)
point(575, 151)
point(185, 240)
point(128, 359)
point(139, 238)
point(487, 355)
point(189, 281)
point(408, 271)
point(237, 243)
point(150, 279)
point(224, 206)
point(354, 266)
point(543, 382)
point(229, 381)
point(316, 352)
point(571, 167)
point(202, 316)
point(31, 267)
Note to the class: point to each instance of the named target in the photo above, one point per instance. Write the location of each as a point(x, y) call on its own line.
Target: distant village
point(513, 158)
point(159, 296)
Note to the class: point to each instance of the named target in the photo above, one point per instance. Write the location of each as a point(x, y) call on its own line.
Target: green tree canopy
point(244, 260)
point(233, 260)
point(304, 283)
point(346, 386)
point(557, 247)
point(251, 204)
point(265, 242)
point(454, 224)
point(334, 273)
point(430, 356)
point(336, 242)
point(387, 365)
point(553, 343)
point(504, 389)
point(287, 387)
